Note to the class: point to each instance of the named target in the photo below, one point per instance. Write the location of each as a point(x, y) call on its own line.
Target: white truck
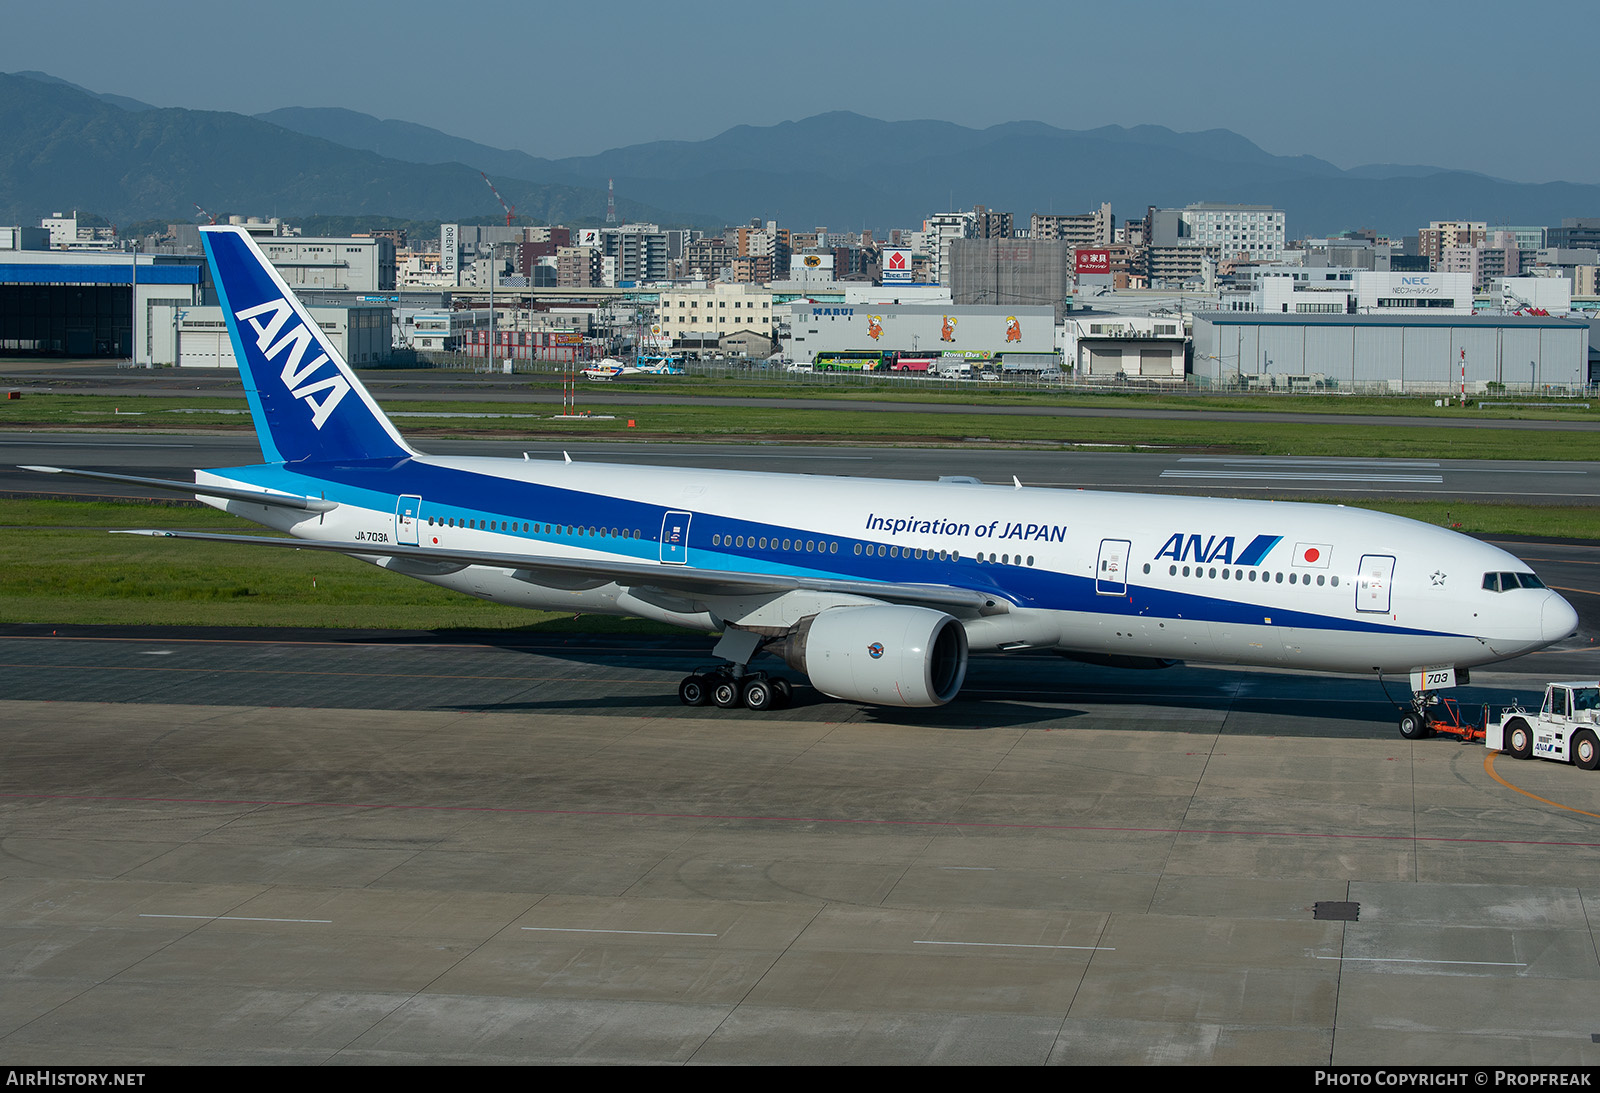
point(1566, 728)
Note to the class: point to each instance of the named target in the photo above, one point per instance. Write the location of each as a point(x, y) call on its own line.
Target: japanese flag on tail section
point(1313, 555)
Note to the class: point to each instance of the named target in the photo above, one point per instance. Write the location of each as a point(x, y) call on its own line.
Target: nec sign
point(268, 320)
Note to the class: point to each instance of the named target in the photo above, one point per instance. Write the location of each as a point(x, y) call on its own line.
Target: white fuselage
point(1314, 587)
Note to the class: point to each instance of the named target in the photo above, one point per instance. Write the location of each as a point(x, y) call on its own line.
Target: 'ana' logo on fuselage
point(293, 344)
point(1212, 548)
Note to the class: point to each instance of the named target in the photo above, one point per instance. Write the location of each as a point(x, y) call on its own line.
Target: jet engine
point(883, 654)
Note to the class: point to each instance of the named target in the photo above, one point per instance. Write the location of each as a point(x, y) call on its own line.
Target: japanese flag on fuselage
point(1314, 555)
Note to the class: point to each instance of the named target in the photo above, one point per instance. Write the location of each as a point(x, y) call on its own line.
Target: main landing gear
point(735, 684)
point(721, 688)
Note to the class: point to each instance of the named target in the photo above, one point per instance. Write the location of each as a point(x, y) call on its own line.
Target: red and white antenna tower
point(611, 201)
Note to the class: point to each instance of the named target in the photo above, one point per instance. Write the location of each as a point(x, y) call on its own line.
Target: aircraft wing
point(593, 573)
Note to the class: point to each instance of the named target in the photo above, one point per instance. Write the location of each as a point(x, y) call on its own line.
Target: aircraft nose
point(1558, 619)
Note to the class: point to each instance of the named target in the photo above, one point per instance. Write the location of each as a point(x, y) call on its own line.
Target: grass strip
point(700, 422)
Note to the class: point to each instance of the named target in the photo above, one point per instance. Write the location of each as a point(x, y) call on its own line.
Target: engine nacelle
point(882, 654)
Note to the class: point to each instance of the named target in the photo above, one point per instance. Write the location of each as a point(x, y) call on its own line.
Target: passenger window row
point(808, 546)
point(879, 550)
point(567, 530)
point(1264, 577)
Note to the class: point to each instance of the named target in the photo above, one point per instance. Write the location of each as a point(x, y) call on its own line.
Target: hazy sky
point(1492, 87)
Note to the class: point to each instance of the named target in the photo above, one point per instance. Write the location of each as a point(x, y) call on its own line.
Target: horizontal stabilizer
point(255, 497)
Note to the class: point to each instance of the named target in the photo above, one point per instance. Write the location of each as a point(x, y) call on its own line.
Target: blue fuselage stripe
point(378, 485)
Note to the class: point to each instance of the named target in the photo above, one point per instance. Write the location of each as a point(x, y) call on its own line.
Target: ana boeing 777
point(877, 591)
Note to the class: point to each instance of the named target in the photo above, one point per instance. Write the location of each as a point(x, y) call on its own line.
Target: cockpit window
point(1506, 582)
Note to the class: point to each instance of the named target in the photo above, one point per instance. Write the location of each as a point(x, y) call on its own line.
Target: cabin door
point(1372, 583)
point(1111, 570)
point(407, 510)
point(675, 538)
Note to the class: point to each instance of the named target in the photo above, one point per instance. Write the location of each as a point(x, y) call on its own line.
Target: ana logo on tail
point(267, 320)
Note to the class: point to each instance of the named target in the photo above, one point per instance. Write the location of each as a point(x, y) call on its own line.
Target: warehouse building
point(1120, 348)
point(349, 264)
point(818, 333)
point(1399, 353)
point(197, 337)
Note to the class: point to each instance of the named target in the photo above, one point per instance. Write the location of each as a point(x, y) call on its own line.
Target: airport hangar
point(1410, 353)
point(83, 304)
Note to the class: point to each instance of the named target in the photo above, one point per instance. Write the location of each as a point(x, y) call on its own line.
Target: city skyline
point(1383, 84)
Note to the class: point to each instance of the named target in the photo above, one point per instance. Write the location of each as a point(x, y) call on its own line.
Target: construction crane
point(205, 214)
point(510, 209)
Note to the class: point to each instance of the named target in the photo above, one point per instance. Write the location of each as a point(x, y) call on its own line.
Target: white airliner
point(875, 590)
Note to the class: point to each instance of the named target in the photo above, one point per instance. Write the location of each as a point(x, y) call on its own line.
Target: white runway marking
point(1308, 476)
point(243, 918)
point(646, 933)
point(1407, 960)
point(1236, 461)
point(85, 444)
point(1018, 945)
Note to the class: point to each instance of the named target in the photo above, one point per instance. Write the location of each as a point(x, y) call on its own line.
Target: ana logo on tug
point(293, 344)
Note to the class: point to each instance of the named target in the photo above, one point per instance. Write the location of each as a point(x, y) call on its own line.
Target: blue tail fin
point(307, 403)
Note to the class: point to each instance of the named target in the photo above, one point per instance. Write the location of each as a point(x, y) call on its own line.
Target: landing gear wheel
point(758, 695)
point(1412, 726)
point(1585, 750)
point(1519, 739)
point(782, 692)
point(725, 693)
point(693, 691)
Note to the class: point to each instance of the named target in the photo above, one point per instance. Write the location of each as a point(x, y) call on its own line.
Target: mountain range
point(124, 159)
